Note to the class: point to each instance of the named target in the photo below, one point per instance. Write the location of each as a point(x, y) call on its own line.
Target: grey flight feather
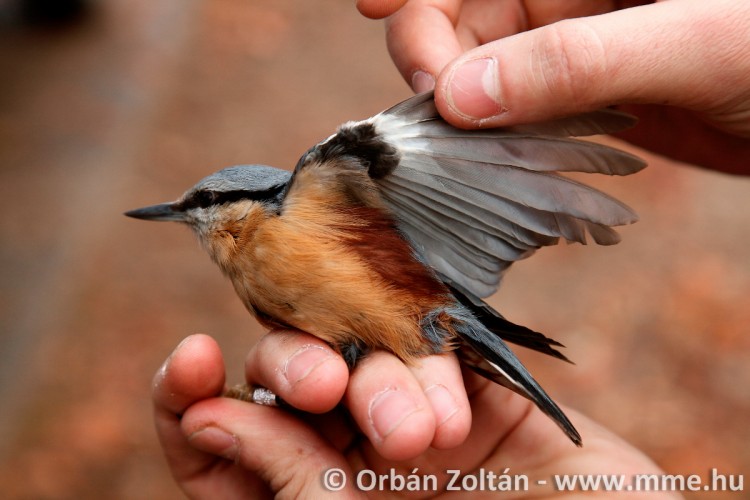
point(472, 202)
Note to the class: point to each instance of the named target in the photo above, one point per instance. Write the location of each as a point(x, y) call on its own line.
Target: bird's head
point(221, 207)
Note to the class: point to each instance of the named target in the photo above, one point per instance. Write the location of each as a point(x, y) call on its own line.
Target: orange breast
point(339, 271)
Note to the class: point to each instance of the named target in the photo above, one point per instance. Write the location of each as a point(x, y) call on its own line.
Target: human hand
point(390, 416)
point(682, 67)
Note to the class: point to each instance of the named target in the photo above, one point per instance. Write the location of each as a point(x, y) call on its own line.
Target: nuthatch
point(389, 233)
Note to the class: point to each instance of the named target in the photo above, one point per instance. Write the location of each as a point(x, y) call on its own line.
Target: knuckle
point(570, 59)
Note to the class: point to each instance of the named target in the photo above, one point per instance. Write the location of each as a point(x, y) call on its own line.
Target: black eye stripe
point(205, 198)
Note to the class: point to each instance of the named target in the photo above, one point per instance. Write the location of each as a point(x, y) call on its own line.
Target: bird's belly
point(327, 291)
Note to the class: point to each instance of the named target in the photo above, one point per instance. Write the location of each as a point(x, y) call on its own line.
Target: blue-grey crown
point(244, 178)
point(244, 182)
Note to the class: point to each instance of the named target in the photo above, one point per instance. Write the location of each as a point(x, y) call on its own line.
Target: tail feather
point(506, 330)
point(485, 353)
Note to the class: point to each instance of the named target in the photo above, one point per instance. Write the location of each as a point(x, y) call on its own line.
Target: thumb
point(691, 54)
point(288, 455)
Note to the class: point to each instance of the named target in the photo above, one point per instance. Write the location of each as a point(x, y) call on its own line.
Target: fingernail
point(388, 409)
point(216, 441)
point(303, 362)
point(422, 81)
point(442, 401)
point(473, 89)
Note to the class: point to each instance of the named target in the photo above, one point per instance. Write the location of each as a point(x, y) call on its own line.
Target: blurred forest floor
point(136, 100)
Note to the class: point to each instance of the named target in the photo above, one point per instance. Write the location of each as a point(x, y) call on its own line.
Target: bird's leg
point(253, 394)
point(352, 351)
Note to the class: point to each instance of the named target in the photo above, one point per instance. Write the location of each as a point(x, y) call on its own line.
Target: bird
point(389, 234)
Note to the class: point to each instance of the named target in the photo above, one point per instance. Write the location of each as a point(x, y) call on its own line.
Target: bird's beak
point(160, 212)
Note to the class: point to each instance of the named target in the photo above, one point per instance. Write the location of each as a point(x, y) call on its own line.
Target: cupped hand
point(383, 416)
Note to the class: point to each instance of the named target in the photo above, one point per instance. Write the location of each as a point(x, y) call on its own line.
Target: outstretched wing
point(473, 202)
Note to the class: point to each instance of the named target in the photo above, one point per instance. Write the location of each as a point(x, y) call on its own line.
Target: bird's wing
point(473, 202)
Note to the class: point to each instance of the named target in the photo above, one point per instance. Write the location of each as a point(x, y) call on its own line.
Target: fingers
point(200, 432)
point(390, 407)
point(402, 410)
point(425, 35)
point(194, 372)
point(422, 39)
point(681, 50)
point(378, 9)
point(289, 457)
point(441, 381)
point(300, 368)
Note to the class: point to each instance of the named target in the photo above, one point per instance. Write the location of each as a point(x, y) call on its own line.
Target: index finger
point(422, 40)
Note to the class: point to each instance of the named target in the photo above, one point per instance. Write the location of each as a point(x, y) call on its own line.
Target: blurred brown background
point(129, 102)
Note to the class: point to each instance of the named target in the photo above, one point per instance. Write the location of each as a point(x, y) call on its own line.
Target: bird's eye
point(205, 199)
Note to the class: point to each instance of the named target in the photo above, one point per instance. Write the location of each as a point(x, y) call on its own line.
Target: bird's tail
point(506, 330)
point(486, 354)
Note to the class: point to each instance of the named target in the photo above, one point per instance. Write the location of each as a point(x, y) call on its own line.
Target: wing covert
point(473, 202)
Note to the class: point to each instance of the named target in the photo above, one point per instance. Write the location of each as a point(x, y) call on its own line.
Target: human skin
point(681, 66)
point(222, 447)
